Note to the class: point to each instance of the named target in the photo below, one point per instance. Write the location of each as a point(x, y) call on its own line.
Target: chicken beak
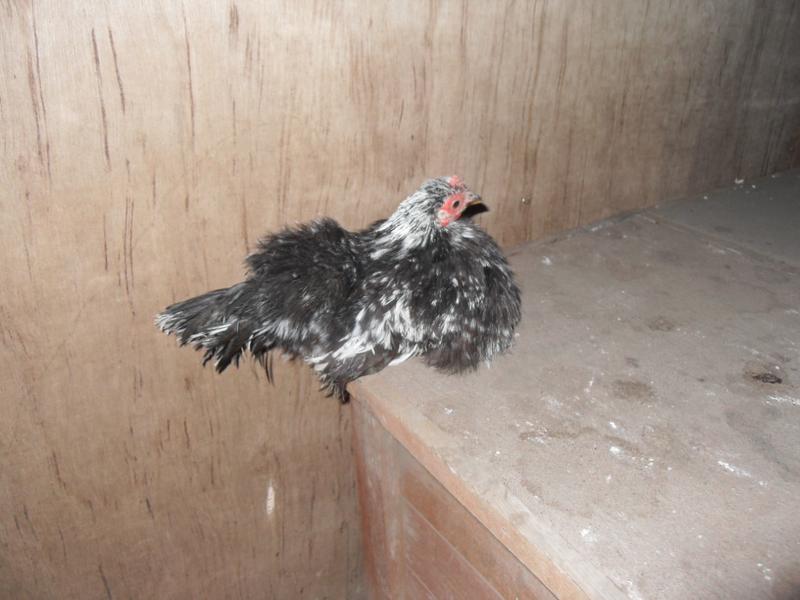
point(474, 199)
point(474, 205)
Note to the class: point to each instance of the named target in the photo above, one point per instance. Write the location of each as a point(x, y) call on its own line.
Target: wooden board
point(420, 542)
point(145, 146)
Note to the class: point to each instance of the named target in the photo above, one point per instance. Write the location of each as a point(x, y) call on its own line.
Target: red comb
point(455, 181)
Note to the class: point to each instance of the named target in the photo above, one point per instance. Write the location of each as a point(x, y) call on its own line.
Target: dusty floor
point(644, 435)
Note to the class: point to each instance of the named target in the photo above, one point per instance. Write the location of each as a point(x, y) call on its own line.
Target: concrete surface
point(644, 436)
point(763, 216)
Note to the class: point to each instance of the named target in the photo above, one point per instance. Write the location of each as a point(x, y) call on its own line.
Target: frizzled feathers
point(350, 304)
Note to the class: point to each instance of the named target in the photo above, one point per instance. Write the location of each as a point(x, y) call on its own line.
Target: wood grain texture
point(145, 146)
point(381, 506)
point(434, 563)
point(501, 570)
point(420, 542)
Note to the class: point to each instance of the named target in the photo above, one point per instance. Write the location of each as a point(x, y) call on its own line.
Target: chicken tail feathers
point(210, 322)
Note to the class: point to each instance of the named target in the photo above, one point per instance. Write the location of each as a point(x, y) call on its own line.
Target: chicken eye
point(457, 203)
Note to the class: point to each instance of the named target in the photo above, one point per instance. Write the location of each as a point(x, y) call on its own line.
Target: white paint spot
point(269, 503)
point(448, 410)
point(552, 402)
point(608, 478)
point(631, 590)
point(738, 181)
point(765, 571)
point(588, 535)
point(547, 261)
point(613, 425)
point(739, 472)
point(615, 450)
point(786, 400)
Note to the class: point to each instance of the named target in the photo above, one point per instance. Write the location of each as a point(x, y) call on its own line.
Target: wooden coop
point(639, 160)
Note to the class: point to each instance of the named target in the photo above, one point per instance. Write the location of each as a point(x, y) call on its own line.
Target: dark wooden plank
point(380, 506)
point(510, 578)
point(434, 562)
point(417, 536)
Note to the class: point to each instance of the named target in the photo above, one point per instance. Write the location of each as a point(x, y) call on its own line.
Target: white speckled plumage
point(424, 282)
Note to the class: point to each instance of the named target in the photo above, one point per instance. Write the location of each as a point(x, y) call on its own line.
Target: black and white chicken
point(424, 282)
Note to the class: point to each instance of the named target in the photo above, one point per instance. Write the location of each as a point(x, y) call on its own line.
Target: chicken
point(424, 282)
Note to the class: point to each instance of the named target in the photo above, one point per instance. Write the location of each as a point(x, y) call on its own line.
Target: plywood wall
point(144, 146)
